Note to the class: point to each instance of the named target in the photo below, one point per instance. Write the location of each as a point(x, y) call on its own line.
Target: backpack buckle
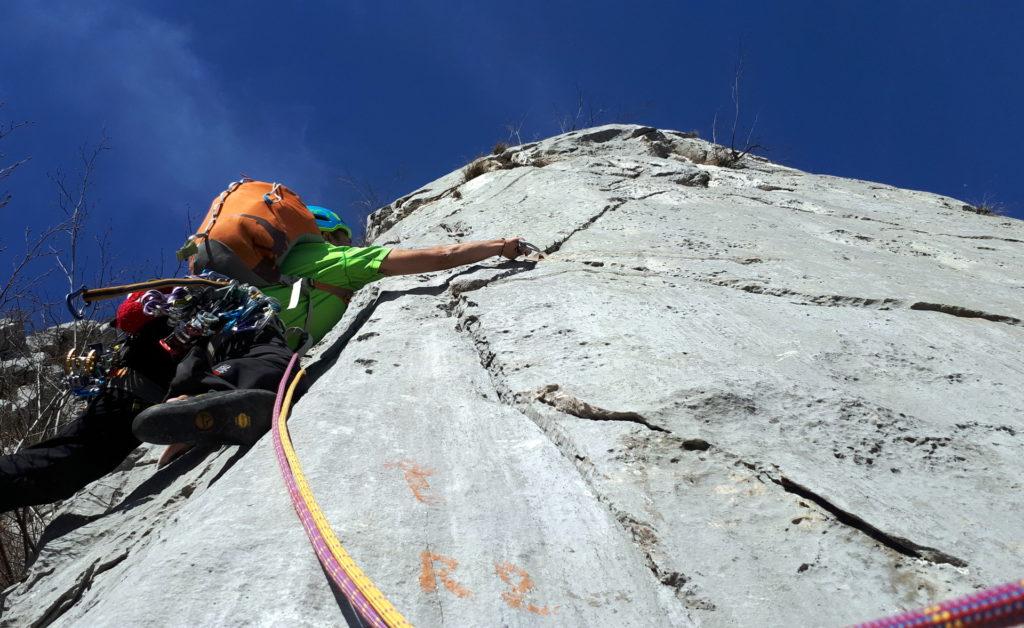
point(274, 192)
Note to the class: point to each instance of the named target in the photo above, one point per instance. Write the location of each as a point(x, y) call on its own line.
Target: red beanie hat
point(130, 316)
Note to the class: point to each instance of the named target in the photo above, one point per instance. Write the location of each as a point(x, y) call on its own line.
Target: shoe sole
point(238, 417)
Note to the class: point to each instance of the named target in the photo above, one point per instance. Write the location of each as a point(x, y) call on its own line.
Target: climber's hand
point(511, 247)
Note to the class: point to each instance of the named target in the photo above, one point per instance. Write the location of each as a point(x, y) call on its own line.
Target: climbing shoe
point(237, 417)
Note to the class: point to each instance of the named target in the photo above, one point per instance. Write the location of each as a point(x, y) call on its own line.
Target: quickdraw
point(360, 591)
point(531, 251)
point(194, 314)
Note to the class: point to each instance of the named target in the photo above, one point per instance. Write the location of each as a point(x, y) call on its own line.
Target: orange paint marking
point(516, 598)
point(416, 477)
point(429, 577)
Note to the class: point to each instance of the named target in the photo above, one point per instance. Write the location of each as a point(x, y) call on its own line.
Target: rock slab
point(728, 396)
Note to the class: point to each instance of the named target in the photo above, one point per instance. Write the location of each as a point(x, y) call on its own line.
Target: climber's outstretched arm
point(412, 261)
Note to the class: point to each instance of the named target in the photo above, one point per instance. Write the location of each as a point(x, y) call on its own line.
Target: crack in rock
point(645, 537)
point(329, 356)
point(827, 300)
point(770, 472)
point(616, 203)
point(562, 401)
point(642, 534)
point(836, 300)
point(963, 312)
point(470, 325)
point(69, 598)
point(893, 542)
point(979, 237)
point(472, 285)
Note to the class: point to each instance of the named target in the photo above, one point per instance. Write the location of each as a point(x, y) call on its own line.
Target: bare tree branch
point(7, 170)
point(39, 402)
point(732, 156)
point(515, 130)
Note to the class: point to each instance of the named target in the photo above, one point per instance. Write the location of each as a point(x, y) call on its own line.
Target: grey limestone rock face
point(728, 396)
point(12, 338)
point(55, 341)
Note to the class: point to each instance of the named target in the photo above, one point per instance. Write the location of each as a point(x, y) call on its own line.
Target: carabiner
point(527, 249)
point(69, 301)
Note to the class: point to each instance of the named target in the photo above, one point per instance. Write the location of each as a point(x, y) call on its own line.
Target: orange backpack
point(249, 229)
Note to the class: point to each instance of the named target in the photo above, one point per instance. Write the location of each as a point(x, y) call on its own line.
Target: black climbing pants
point(86, 449)
point(100, 438)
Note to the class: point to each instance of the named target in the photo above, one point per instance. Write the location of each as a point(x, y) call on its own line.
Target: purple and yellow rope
point(992, 608)
point(360, 591)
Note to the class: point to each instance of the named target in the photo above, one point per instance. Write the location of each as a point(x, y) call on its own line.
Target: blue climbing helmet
point(326, 220)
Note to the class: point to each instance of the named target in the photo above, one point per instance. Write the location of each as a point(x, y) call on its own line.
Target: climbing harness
point(360, 591)
point(196, 309)
point(998, 606)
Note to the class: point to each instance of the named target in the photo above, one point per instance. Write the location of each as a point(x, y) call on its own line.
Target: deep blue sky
point(924, 95)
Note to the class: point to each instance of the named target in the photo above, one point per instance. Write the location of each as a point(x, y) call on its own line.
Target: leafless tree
point(734, 155)
point(7, 169)
point(583, 113)
point(515, 129)
point(366, 195)
point(367, 198)
point(75, 203)
point(34, 401)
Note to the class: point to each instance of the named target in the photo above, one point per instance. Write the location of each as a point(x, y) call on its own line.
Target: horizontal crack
point(895, 543)
point(837, 300)
point(476, 284)
point(828, 300)
point(771, 472)
point(956, 310)
point(562, 401)
point(980, 237)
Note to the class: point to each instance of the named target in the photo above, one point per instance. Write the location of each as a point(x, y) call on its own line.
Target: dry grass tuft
point(474, 169)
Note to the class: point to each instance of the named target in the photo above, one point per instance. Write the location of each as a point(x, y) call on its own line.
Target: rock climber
point(223, 393)
point(336, 270)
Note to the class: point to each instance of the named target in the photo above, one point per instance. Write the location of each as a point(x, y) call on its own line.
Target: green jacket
point(350, 267)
